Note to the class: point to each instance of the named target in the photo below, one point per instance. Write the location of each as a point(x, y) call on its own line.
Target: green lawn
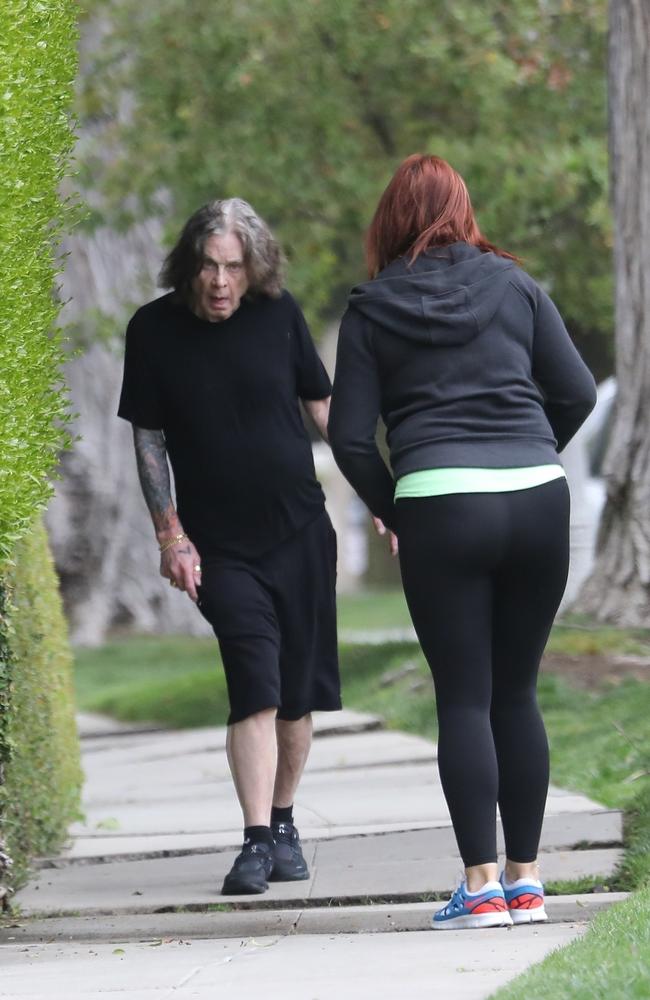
point(378, 609)
point(574, 637)
point(611, 962)
point(176, 681)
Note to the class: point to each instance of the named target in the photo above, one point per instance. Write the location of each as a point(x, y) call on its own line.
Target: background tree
point(619, 588)
point(305, 107)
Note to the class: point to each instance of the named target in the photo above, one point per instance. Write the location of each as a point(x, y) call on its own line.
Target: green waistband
point(437, 482)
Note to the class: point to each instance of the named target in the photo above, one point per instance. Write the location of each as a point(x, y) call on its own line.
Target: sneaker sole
point(280, 876)
point(234, 888)
point(500, 918)
point(536, 916)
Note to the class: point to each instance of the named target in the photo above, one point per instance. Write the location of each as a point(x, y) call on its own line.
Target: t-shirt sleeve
point(140, 401)
point(312, 381)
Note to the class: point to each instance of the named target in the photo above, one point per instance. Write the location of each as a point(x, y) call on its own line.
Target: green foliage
point(6, 667)
point(612, 723)
point(123, 677)
point(38, 755)
point(305, 107)
point(179, 682)
point(634, 872)
point(38, 741)
point(573, 640)
point(372, 609)
point(183, 702)
point(611, 962)
point(37, 68)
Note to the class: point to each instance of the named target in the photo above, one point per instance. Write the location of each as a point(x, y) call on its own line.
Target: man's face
point(222, 281)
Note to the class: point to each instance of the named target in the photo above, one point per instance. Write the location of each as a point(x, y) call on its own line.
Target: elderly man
point(214, 371)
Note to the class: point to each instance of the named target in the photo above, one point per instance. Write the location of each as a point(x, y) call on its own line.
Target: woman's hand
point(381, 529)
point(181, 565)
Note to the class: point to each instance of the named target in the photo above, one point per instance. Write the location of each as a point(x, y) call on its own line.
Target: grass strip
point(634, 871)
point(611, 962)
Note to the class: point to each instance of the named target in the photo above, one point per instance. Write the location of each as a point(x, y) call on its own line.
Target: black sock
point(258, 835)
point(282, 814)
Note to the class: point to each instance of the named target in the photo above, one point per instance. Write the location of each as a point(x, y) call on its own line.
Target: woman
point(469, 364)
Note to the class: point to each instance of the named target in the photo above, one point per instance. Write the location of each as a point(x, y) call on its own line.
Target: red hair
point(426, 204)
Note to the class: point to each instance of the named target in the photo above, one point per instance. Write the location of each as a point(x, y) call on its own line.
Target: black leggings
point(484, 574)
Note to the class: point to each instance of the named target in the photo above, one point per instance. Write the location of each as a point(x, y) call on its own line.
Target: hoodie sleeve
point(353, 419)
point(566, 382)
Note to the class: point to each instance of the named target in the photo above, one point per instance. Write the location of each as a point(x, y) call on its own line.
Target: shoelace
point(456, 901)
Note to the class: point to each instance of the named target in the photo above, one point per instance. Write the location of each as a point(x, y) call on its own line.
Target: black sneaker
point(288, 862)
point(250, 871)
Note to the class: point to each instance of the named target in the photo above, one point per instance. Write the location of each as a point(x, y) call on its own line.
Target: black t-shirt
point(226, 397)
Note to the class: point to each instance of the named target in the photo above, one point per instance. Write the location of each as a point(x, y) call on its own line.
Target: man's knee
point(257, 718)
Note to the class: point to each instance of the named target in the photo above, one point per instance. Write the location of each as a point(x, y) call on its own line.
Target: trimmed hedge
point(40, 796)
point(38, 755)
point(37, 67)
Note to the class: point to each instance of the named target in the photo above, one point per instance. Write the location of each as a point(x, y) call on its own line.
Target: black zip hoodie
point(469, 364)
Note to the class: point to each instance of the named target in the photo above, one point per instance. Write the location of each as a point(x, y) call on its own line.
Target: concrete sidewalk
point(162, 827)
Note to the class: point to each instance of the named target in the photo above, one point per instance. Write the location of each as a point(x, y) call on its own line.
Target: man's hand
point(181, 565)
point(381, 529)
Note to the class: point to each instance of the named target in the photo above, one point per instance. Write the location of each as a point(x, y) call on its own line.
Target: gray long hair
point(263, 258)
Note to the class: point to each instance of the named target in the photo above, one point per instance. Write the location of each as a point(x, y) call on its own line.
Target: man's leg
point(294, 744)
point(301, 576)
point(253, 757)
point(236, 601)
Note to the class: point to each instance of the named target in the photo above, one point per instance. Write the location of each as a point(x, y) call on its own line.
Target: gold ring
point(197, 569)
point(172, 583)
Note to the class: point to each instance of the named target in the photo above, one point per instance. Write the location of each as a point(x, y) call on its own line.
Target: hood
point(446, 297)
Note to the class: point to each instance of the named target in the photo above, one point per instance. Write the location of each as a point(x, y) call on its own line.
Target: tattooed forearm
point(153, 470)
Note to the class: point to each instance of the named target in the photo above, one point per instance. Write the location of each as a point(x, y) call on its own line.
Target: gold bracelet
point(172, 541)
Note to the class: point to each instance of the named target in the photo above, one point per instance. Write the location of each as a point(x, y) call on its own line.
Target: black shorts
point(275, 619)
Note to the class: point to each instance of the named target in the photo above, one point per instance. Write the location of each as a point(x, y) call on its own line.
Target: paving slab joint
point(243, 924)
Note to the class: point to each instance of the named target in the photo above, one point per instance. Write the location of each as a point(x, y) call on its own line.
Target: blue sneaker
point(525, 899)
point(485, 908)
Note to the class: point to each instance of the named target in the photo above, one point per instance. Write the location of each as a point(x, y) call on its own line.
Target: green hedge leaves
point(37, 68)
point(39, 762)
point(42, 774)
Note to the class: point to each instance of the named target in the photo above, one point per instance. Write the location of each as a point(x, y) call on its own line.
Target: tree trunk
point(618, 589)
point(100, 531)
